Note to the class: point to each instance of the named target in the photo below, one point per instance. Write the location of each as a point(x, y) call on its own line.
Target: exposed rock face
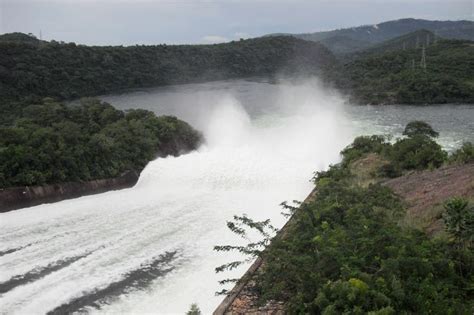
point(21, 197)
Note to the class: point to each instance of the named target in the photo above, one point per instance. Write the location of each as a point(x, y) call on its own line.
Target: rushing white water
point(148, 249)
point(107, 252)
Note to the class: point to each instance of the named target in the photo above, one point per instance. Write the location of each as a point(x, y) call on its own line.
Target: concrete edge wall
point(234, 293)
point(29, 196)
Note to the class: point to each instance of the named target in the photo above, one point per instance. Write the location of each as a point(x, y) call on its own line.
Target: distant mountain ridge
point(353, 39)
point(413, 40)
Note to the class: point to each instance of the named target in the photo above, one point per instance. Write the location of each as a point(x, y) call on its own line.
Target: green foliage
point(67, 70)
point(194, 310)
point(396, 77)
point(242, 226)
point(418, 127)
point(417, 153)
point(463, 155)
point(52, 142)
point(346, 253)
point(363, 145)
point(459, 221)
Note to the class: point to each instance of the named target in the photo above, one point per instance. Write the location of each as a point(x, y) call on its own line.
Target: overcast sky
point(128, 22)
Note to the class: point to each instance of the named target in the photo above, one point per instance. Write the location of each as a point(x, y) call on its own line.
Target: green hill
point(411, 40)
point(341, 45)
point(19, 38)
point(67, 70)
point(398, 77)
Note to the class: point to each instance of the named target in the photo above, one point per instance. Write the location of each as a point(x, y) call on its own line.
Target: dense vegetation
point(417, 151)
point(51, 142)
point(390, 72)
point(346, 251)
point(400, 77)
point(66, 70)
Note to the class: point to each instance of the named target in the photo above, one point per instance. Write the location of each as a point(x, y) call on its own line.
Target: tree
point(459, 220)
point(463, 155)
point(418, 127)
point(194, 310)
point(417, 152)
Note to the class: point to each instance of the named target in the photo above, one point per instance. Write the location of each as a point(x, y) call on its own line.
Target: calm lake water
point(149, 248)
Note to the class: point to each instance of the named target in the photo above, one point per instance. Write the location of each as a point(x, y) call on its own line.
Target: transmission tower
point(423, 58)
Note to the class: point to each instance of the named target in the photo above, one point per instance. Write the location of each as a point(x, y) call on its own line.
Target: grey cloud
point(107, 22)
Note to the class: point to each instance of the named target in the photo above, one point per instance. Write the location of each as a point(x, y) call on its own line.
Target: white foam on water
point(179, 204)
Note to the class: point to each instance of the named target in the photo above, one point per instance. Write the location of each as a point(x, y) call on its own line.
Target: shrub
point(194, 310)
point(418, 127)
point(363, 145)
point(459, 220)
point(463, 155)
point(417, 152)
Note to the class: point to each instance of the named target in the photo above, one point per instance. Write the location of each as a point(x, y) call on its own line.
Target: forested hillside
point(52, 142)
point(66, 70)
point(387, 75)
point(413, 40)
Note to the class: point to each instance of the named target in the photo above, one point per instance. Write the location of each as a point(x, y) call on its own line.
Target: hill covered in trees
point(51, 142)
point(413, 40)
point(32, 68)
point(412, 69)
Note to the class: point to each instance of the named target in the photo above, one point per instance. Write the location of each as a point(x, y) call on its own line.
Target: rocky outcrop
point(28, 196)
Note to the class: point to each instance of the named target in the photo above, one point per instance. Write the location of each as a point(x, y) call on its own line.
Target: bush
point(363, 145)
point(463, 155)
point(417, 153)
point(194, 310)
point(418, 127)
point(459, 220)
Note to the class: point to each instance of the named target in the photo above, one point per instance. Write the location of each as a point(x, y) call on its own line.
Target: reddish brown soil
point(426, 190)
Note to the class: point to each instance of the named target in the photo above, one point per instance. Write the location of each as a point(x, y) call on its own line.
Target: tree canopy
point(51, 142)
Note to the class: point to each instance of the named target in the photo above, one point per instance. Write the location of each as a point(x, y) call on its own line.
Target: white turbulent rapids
point(148, 249)
point(179, 205)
